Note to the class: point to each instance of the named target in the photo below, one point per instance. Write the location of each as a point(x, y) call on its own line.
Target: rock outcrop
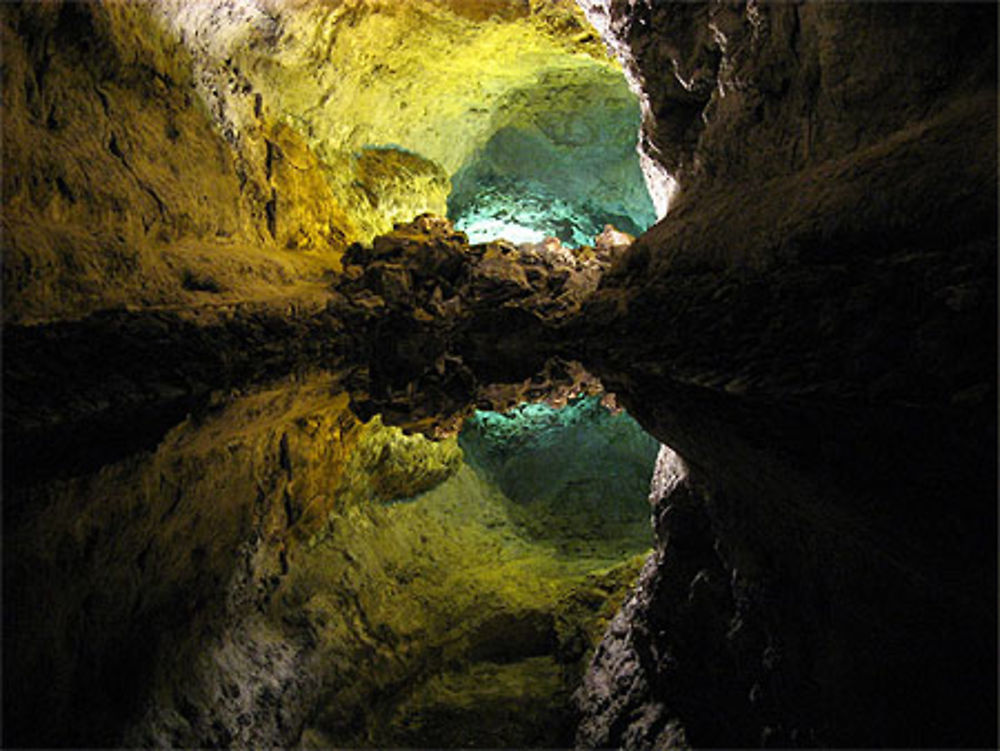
point(436, 324)
point(812, 328)
point(117, 190)
point(561, 161)
point(173, 154)
point(754, 91)
point(415, 91)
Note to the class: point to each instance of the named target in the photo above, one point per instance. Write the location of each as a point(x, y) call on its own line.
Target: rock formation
point(812, 329)
point(228, 290)
point(429, 315)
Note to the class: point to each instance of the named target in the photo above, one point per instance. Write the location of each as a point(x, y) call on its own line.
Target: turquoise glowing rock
point(562, 163)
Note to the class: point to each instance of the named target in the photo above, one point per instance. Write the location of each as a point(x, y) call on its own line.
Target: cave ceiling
point(501, 99)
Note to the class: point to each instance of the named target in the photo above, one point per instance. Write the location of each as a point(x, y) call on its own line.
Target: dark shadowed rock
point(813, 328)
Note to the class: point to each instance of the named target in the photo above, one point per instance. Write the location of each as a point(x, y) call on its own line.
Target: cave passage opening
point(509, 118)
point(561, 162)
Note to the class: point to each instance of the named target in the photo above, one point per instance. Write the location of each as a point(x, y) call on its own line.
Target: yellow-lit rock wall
point(425, 76)
point(118, 190)
point(392, 96)
point(112, 571)
point(184, 154)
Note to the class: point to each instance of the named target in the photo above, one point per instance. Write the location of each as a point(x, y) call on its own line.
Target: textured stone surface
point(117, 189)
point(263, 576)
point(112, 578)
point(742, 92)
point(690, 628)
point(562, 164)
point(179, 154)
point(430, 82)
point(580, 466)
point(813, 328)
point(435, 324)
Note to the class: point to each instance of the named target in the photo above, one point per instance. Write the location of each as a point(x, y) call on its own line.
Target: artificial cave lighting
point(499, 556)
point(562, 161)
point(484, 230)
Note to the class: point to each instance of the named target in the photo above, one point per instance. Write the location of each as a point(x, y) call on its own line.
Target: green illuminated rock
point(562, 162)
point(580, 472)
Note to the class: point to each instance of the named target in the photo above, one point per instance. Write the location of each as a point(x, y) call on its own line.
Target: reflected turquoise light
point(575, 460)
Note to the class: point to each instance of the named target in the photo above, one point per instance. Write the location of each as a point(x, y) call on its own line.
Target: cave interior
point(499, 374)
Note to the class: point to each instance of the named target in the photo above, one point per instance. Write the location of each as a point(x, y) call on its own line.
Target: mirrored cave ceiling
point(509, 117)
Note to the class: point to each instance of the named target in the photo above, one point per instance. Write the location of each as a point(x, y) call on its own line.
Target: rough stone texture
point(116, 188)
point(436, 324)
point(137, 372)
point(813, 328)
point(581, 465)
point(690, 628)
point(112, 578)
point(191, 154)
point(239, 604)
point(440, 593)
point(424, 81)
point(757, 90)
point(563, 163)
point(358, 73)
point(262, 578)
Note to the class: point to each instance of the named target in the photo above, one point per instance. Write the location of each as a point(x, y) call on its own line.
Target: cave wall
point(115, 575)
point(411, 91)
point(118, 190)
point(812, 328)
point(561, 162)
point(756, 91)
point(173, 154)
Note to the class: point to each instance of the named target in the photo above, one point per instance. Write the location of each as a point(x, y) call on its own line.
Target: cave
point(499, 374)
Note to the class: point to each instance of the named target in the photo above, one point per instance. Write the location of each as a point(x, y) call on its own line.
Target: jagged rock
point(497, 278)
point(687, 631)
point(761, 90)
point(432, 313)
point(611, 241)
point(785, 329)
point(117, 189)
point(533, 277)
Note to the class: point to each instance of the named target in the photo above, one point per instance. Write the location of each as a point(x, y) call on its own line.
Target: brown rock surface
point(117, 189)
point(437, 325)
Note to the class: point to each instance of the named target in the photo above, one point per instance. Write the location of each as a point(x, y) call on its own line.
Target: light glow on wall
point(484, 230)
